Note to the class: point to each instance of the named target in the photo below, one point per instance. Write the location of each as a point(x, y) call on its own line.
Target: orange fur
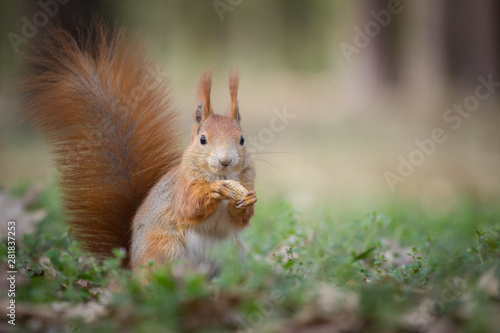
point(160, 246)
point(107, 116)
point(241, 216)
point(193, 202)
point(102, 107)
point(188, 202)
point(233, 92)
point(204, 89)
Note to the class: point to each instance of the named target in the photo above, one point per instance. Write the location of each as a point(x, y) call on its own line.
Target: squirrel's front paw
point(220, 191)
point(249, 199)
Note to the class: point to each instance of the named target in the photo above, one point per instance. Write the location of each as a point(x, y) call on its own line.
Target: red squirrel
point(107, 117)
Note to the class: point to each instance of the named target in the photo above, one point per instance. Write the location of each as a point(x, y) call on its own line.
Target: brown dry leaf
point(89, 311)
point(210, 312)
point(396, 255)
point(331, 299)
point(339, 325)
point(334, 310)
point(84, 284)
point(57, 314)
point(443, 325)
point(16, 209)
point(311, 320)
point(38, 317)
point(489, 283)
point(43, 317)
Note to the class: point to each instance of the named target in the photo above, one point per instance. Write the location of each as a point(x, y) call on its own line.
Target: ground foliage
point(396, 269)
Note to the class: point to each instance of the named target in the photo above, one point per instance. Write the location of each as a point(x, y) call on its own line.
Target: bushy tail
point(106, 114)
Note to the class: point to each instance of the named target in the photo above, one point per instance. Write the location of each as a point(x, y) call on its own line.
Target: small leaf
point(288, 264)
point(53, 254)
point(364, 254)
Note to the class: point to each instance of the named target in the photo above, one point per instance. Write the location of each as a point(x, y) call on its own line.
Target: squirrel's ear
point(234, 111)
point(204, 109)
point(198, 113)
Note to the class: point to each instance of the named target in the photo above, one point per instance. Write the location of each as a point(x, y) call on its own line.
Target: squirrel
point(98, 101)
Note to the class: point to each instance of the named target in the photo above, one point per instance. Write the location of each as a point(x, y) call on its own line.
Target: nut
point(238, 190)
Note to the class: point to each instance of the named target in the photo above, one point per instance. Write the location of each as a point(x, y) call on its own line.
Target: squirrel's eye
point(203, 140)
point(242, 140)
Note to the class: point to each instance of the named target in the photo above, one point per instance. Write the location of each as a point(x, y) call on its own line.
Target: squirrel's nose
point(225, 162)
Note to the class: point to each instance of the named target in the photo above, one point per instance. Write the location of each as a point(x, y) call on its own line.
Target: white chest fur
point(216, 228)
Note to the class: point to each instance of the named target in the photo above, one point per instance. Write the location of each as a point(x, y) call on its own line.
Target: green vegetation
point(394, 270)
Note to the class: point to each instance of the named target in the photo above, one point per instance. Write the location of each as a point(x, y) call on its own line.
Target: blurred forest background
point(355, 112)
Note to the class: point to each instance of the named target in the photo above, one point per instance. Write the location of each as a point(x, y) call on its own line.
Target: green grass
point(317, 270)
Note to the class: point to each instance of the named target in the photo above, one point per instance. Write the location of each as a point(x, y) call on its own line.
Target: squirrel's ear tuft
point(234, 111)
point(204, 109)
point(198, 113)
